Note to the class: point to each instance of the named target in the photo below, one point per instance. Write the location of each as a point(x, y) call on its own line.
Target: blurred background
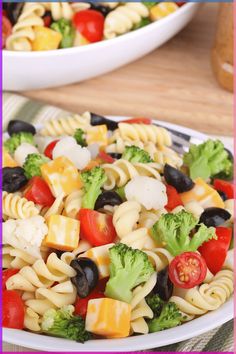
point(174, 83)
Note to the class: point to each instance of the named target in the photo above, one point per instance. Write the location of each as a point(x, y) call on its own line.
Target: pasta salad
point(109, 232)
point(40, 26)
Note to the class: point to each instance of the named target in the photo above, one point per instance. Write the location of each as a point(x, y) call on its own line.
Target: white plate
point(188, 330)
point(36, 70)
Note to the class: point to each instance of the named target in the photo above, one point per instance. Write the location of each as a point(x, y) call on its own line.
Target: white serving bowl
point(187, 330)
point(37, 70)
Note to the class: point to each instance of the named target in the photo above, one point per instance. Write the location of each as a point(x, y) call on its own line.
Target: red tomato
point(180, 3)
point(224, 186)
point(6, 29)
point(105, 157)
point(138, 121)
point(12, 310)
point(215, 251)
point(47, 20)
point(96, 228)
point(38, 192)
point(187, 270)
point(6, 274)
point(90, 24)
point(49, 149)
point(81, 305)
point(173, 196)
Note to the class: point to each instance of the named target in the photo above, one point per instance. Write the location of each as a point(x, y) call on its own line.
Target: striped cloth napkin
point(19, 107)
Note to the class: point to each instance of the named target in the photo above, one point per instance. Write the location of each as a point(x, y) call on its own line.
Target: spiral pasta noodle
point(121, 171)
point(15, 258)
point(123, 18)
point(159, 257)
point(111, 5)
point(229, 206)
point(206, 297)
point(139, 307)
point(59, 10)
point(73, 203)
point(149, 217)
point(66, 125)
point(56, 208)
point(23, 30)
point(16, 207)
point(145, 133)
point(41, 274)
point(125, 220)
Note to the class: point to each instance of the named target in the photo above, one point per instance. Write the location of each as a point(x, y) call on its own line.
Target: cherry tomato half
point(224, 186)
point(96, 228)
point(12, 310)
point(49, 149)
point(90, 24)
point(6, 274)
point(187, 270)
point(81, 305)
point(141, 120)
point(215, 251)
point(105, 157)
point(173, 197)
point(38, 192)
point(6, 29)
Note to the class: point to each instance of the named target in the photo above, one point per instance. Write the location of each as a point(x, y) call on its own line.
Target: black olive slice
point(164, 286)
point(214, 216)
point(98, 120)
point(177, 179)
point(17, 126)
point(107, 198)
point(13, 179)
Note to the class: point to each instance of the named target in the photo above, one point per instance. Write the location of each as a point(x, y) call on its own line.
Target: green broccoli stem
point(89, 201)
point(120, 287)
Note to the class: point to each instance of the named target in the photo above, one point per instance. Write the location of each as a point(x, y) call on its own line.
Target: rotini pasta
point(123, 18)
point(121, 171)
point(23, 31)
point(15, 258)
point(159, 257)
point(56, 208)
point(125, 220)
point(148, 218)
point(145, 133)
point(140, 309)
point(73, 204)
point(67, 125)
point(59, 10)
point(16, 207)
point(206, 297)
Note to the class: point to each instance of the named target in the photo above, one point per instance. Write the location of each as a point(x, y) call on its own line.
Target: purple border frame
point(1, 132)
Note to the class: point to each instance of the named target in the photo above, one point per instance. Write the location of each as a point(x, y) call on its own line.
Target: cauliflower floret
point(23, 151)
point(68, 147)
point(26, 235)
point(147, 191)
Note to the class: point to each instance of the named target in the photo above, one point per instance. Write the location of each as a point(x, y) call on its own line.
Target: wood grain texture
point(174, 83)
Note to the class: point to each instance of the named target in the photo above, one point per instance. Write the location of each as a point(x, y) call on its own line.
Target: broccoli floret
point(144, 22)
point(93, 181)
point(62, 323)
point(67, 31)
point(149, 4)
point(173, 231)
point(17, 139)
point(208, 160)
point(169, 317)
point(155, 303)
point(135, 154)
point(80, 137)
point(128, 268)
point(33, 163)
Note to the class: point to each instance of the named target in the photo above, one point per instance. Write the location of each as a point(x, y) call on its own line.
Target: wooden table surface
point(174, 83)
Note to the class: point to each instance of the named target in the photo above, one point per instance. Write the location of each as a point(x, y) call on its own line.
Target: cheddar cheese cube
point(61, 176)
point(162, 9)
point(108, 317)
point(203, 194)
point(7, 160)
point(45, 39)
point(98, 135)
point(63, 233)
point(100, 256)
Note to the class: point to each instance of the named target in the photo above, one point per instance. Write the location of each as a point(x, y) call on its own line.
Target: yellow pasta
point(23, 31)
point(16, 207)
point(59, 10)
point(121, 171)
point(66, 125)
point(73, 204)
